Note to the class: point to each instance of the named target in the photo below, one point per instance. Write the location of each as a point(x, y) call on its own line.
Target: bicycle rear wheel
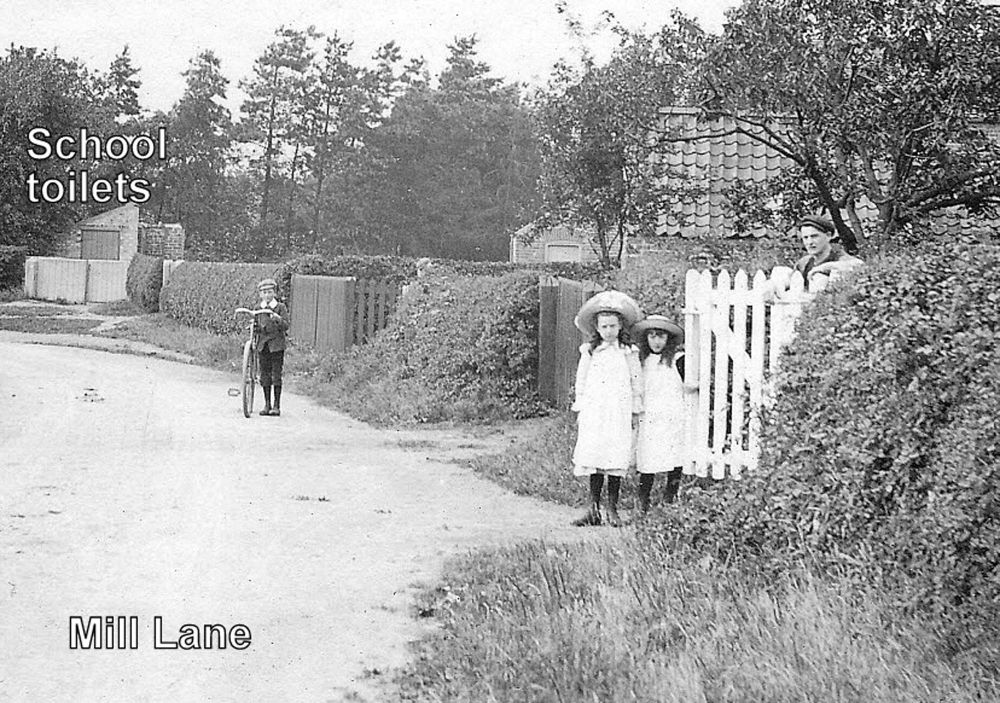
point(249, 378)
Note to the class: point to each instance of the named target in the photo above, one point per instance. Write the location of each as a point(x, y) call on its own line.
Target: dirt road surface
point(134, 486)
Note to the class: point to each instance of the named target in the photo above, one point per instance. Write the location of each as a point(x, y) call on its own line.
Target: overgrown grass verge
point(631, 619)
point(541, 465)
point(47, 324)
point(117, 308)
point(222, 352)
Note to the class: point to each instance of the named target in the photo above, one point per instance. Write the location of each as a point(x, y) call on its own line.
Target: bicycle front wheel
point(249, 378)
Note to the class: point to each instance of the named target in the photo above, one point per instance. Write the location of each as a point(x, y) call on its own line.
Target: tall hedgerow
point(458, 348)
point(880, 456)
point(12, 260)
point(205, 295)
point(144, 281)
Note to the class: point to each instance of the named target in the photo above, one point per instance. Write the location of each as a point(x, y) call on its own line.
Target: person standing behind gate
point(825, 258)
point(271, 342)
point(608, 399)
point(662, 426)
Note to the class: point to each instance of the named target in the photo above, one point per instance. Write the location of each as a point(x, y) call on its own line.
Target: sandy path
point(152, 495)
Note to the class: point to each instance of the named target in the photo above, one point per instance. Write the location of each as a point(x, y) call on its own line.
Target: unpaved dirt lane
point(152, 495)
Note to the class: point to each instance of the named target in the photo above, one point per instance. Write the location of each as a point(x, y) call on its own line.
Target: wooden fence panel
point(548, 300)
point(31, 277)
point(106, 281)
point(331, 312)
point(358, 315)
point(305, 297)
point(334, 298)
point(571, 295)
point(61, 279)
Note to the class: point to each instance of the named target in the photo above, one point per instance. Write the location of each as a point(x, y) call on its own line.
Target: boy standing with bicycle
point(270, 344)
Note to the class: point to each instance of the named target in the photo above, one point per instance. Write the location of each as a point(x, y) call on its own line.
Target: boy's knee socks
point(267, 396)
point(277, 396)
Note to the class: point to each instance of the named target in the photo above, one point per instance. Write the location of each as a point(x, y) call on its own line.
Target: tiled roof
point(703, 170)
point(700, 173)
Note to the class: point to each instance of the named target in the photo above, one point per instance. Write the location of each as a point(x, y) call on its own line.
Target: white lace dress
point(663, 427)
point(608, 391)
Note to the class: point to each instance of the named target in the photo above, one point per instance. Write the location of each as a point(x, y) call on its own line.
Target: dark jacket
point(271, 332)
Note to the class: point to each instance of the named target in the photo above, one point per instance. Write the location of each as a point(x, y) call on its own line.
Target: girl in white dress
point(662, 428)
point(608, 399)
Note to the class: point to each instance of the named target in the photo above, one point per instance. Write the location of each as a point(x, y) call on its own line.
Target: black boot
point(593, 515)
point(645, 489)
point(673, 483)
point(277, 401)
point(614, 490)
point(267, 401)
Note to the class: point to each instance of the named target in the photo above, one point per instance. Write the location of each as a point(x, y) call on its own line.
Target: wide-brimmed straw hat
point(607, 301)
point(658, 322)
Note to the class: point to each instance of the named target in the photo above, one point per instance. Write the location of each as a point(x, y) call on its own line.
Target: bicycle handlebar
point(253, 312)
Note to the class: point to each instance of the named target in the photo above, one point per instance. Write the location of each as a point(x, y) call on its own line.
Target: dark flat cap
point(820, 223)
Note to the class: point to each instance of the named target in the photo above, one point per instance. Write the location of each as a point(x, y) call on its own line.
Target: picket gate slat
point(720, 405)
point(704, 306)
point(741, 299)
point(692, 365)
point(755, 373)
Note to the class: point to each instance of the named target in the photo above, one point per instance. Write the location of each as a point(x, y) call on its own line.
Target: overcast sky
point(519, 39)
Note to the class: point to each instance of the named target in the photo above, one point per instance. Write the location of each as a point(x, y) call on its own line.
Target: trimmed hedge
point(12, 266)
point(394, 269)
point(459, 348)
point(204, 295)
point(144, 281)
point(400, 270)
point(881, 456)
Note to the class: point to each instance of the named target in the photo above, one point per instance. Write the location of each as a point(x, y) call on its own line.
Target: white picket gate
point(733, 335)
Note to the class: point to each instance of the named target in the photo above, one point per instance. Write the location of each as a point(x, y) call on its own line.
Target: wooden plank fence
point(374, 301)
point(332, 312)
point(75, 280)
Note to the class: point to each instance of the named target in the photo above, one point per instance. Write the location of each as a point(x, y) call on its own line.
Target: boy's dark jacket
point(271, 331)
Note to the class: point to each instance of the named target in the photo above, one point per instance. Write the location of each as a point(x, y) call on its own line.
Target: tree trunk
point(291, 200)
point(265, 198)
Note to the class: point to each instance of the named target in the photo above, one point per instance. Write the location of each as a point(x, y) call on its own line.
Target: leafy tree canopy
point(882, 99)
point(594, 123)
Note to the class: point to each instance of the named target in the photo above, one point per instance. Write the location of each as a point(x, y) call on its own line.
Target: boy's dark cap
point(820, 223)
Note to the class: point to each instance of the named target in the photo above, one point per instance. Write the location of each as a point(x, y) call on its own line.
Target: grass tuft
point(117, 308)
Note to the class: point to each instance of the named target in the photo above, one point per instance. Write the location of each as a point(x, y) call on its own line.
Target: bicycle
point(250, 361)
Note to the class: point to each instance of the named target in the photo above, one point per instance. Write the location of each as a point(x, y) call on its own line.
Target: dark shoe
point(613, 518)
point(266, 410)
point(275, 412)
point(591, 518)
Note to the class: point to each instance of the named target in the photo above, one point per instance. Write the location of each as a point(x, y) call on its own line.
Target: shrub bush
point(880, 455)
point(459, 348)
point(12, 266)
point(205, 295)
point(144, 281)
